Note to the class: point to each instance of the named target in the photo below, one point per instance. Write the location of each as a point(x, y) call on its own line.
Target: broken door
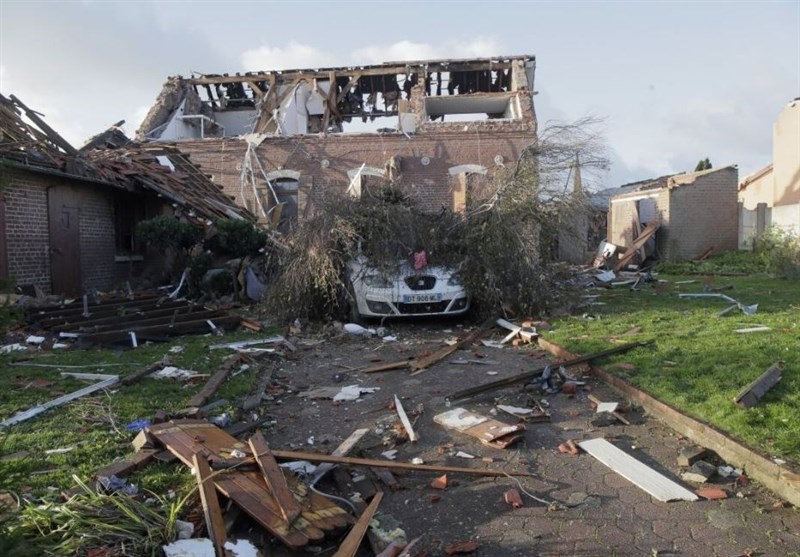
point(65, 255)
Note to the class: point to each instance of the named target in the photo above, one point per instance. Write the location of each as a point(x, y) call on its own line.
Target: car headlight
point(453, 281)
point(377, 281)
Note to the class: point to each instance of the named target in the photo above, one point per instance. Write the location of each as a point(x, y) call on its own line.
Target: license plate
point(421, 298)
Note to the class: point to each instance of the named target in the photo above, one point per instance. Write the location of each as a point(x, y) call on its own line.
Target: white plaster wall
point(787, 218)
point(786, 155)
point(758, 191)
point(236, 122)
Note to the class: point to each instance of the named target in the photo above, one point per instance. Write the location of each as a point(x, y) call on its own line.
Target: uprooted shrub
point(495, 244)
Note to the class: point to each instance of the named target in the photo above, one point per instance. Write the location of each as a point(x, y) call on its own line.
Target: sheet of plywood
point(657, 485)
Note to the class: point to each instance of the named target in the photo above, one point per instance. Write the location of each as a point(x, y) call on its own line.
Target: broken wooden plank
point(345, 447)
point(649, 230)
point(254, 398)
point(421, 364)
point(387, 367)
point(215, 382)
point(125, 467)
point(753, 392)
point(240, 428)
point(215, 524)
point(145, 371)
point(657, 485)
point(276, 482)
point(508, 381)
point(351, 543)
point(412, 436)
point(195, 326)
point(351, 461)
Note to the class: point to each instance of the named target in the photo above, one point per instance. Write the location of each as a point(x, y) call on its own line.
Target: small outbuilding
point(697, 213)
point(67, 216)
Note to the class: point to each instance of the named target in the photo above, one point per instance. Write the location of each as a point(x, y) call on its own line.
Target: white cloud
point(407, 50)
point(298, 55)
point(294, 56)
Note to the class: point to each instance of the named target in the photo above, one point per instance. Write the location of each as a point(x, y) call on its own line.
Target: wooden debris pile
point(250, 479)
point(128, 320)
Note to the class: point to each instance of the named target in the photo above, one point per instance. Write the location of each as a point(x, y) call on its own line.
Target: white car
point(429, 291)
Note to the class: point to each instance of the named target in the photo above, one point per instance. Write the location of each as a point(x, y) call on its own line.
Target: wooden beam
point(420, 365)
point(316, 457)
point(345, 447)
point(215, 382)
point(752, 393)
point(256, 89)
point(52, 135)
point(200, 325)
point(124, 468)
point(215, 524)
point(346, 89)
point(273, 475)
point(352, 542)
point(144, 372)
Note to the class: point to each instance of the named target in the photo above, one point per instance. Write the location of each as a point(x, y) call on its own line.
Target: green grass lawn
point(698, 363)
point(96, 424)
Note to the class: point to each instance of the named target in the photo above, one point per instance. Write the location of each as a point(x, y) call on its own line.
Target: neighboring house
point(697, 212)
point(67, 217)
point(771, 196)
point(276, 140)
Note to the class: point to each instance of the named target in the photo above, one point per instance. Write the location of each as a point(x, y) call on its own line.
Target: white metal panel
point(657, 485)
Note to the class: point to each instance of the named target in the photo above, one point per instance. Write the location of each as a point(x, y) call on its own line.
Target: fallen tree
point(498, 244)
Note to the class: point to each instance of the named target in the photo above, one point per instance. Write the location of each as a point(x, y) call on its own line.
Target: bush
point(166, 232)
point(197, 267)
point(779, 251)
point(236, 237)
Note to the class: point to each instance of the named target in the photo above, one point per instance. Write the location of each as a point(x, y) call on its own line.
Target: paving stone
point(724, 520)
point(705, 533)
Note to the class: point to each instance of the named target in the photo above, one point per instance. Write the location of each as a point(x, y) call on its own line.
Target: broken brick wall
point(624, 211)
point(423, 161)
point(704, 214)
point(26, 219)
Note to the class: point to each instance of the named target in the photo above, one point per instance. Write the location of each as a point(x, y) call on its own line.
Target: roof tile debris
point(110, 160)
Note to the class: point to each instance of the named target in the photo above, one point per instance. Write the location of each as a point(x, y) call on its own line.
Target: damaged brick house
point(697, 212)
point(67, 216)
point(276, 140)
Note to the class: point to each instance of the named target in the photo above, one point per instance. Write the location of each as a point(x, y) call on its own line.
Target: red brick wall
point(430, 184)
point(98, 244)
point(28, 236)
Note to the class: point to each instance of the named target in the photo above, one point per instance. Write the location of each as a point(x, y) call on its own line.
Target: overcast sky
point(675, 81)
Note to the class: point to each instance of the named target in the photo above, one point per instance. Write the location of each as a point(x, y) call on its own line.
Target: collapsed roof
point(292, 102)
point(110, 159)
